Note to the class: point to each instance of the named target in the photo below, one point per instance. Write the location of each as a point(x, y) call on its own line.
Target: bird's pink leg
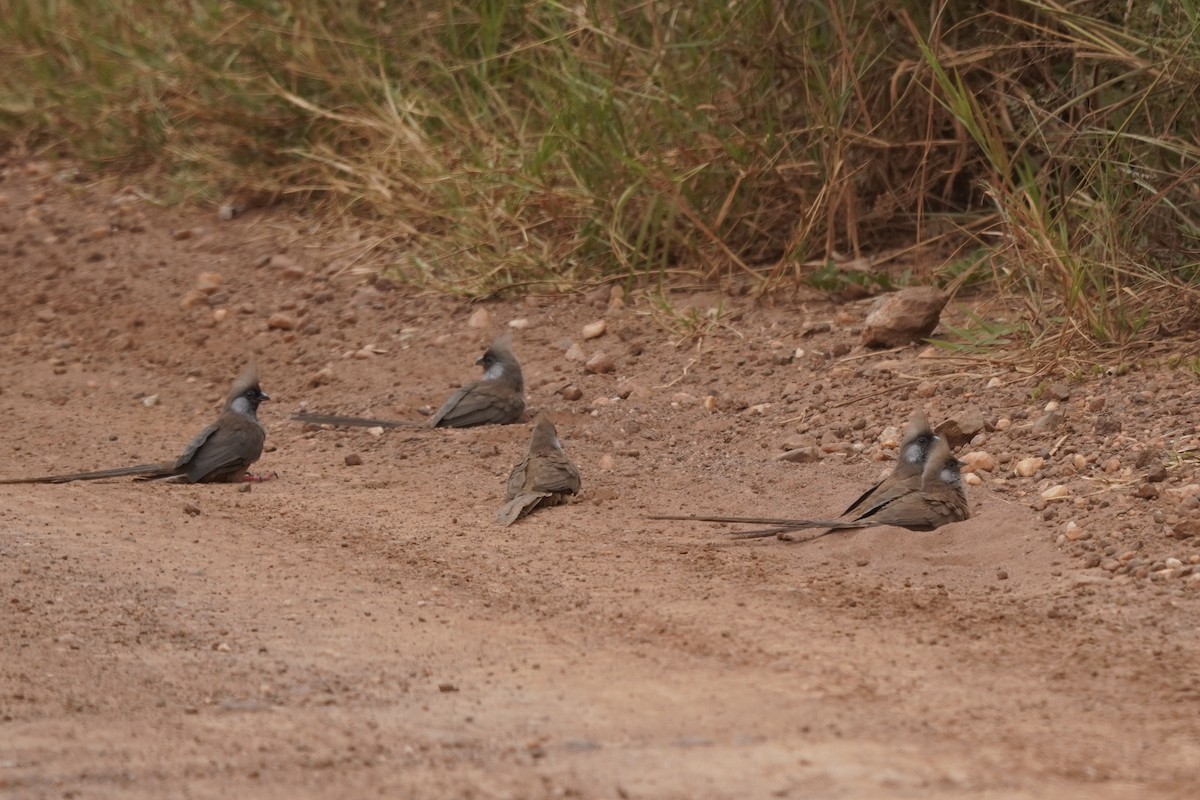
point(261, 477)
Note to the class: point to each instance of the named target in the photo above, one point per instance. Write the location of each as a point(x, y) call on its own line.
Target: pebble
point(1027, 467)
point(682, 399)
point(575, 353)
point(150, 401)
point(280, 322)
point(1056, 492)
point(193, 298)
point(480, 318)
point(1147, 491)
point(519, 324)
point(710, 403)
point(353, 460)
point(926, 389)
point(599, 364)
point(979, 461)
point(607, 462)
point(220, 314)
point(971, 479)
point(209, 282)
point(376, 431)
point(571, 392)
point(321, 376)
point(1003, 424)
point(800, 455)
point(1048, 422)
point(594, 329)
point(1111, 466)
point(1079, 461)
point(798, 440)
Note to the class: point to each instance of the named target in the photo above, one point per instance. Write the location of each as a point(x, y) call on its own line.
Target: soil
point(361, 630)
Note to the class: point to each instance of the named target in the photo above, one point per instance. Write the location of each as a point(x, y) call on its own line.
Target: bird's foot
point(261, 477)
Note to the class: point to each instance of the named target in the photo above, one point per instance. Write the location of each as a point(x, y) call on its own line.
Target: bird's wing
point(222, 450)
point(555, 473)
point(516, 478)
point(483, 403)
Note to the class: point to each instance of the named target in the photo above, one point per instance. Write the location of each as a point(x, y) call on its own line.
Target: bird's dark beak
point(263, 395)
point(479, 361)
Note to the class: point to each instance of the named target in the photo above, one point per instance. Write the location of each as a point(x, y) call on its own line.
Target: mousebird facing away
point(922, 503)
point(543, 478)
point(497, 398)
point(221, 453)
point(910, 462)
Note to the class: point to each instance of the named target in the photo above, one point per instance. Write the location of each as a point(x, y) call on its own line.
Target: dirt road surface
point(355, 631)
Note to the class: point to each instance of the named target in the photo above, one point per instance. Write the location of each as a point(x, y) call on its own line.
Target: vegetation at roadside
point(1048, 147)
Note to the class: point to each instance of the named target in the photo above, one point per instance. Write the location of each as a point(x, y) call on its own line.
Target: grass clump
point(1046, 147)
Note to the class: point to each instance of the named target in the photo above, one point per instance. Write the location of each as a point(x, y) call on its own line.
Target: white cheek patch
point(240, 405)
point(493, 372)
point(914, 454)
point(950, 476)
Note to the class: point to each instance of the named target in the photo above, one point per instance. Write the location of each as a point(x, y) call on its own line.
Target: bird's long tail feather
point(353, 422)
point(147, 470)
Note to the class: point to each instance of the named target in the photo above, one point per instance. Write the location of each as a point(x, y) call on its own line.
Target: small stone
point(972, 479)
point(181, 235)
point(1078, 461)
point(1027, 467)
point(149, 401)
point(193, 298)
point(904, 317)
point(280, 321)
point(1111, 465)
point(1003, 424)
point(353, 460)
point(480, 319)
point(1001, 575)
point(682, 399)
point(1056, 492)
point(800, 455)
point(1146, 491)
point(321, 376)
point(960, 429)
point(1157, 473)
point(1059, 391)
point(518, 324)
point(191, 509)
point(607, 462)
point(209, 282)
point(1048, 422)
point(926, 389)
point(281, 261)
point(376, 431)
point(600, 364)
point(979, 461)
point(571, 392)
point(710, 403)
point(447, 687)
point(594, 329)
point(575, 353)
point(798, 440)
point(219, 314)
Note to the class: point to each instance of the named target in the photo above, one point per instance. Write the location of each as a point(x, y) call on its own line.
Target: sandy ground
point(352, 631)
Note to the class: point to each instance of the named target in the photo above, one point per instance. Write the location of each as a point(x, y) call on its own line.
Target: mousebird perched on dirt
point(498, 398)
point(910, 462)
point(936, 499)
point(544, 477)
point(221, 453)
